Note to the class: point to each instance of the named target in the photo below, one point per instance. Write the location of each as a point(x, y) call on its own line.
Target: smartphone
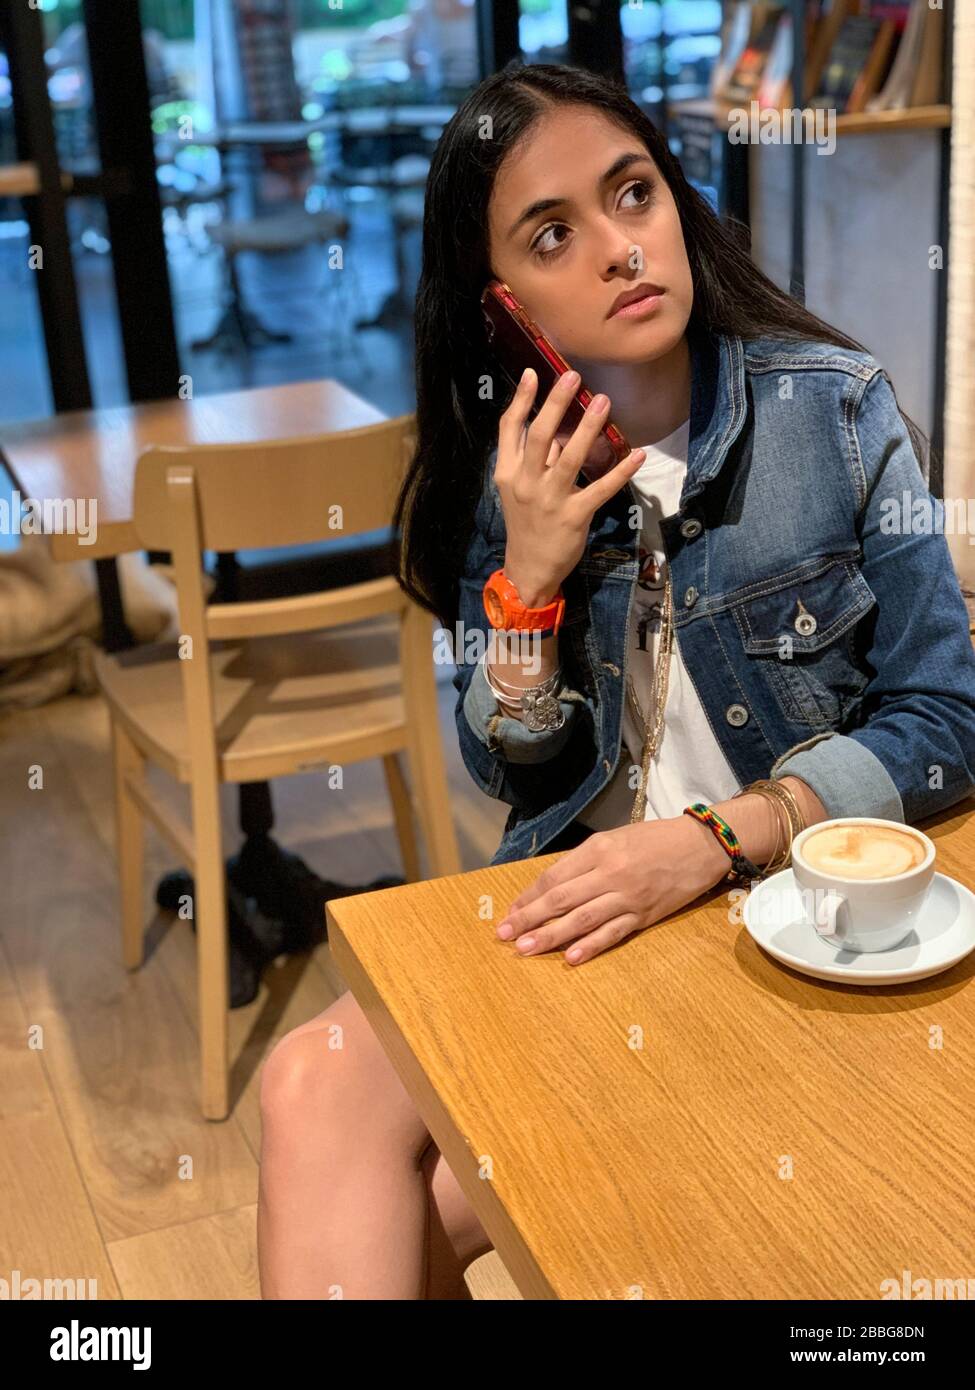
point(518, 342)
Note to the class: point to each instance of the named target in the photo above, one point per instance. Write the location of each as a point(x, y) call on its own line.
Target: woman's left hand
point(615, 883)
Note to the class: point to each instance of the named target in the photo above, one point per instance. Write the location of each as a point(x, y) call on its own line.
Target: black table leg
point(238, 324)
point(116, 634)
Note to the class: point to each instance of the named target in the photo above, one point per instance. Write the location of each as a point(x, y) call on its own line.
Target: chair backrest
point(273, 494)
point(280, 492)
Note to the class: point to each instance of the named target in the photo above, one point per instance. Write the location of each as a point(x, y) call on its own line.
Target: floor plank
point(212, 1258)
point(48, 1229)
point(120, 1052)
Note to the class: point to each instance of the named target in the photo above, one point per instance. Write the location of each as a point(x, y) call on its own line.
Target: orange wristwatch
point(505, 609)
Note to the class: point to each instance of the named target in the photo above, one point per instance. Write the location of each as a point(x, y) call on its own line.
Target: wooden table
point(93, 453)
point(774, 1137)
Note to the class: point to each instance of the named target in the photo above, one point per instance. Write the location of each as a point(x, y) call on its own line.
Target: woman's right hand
point(546, 515)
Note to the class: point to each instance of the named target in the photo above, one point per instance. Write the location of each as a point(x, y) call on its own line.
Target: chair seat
point(282, 704)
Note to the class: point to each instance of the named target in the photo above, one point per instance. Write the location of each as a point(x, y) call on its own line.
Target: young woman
point(737, 619)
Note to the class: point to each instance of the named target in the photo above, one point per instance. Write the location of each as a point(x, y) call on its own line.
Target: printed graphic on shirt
point(648, 600)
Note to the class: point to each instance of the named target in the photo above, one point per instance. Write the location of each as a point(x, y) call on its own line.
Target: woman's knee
point(332, 1071)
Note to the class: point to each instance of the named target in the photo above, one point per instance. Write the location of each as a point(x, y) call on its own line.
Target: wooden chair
point(257, 690)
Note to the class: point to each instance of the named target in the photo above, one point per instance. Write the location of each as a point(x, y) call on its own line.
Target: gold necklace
point(661, 680)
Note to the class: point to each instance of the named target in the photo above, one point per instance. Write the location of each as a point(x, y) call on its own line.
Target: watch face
point(494, 608)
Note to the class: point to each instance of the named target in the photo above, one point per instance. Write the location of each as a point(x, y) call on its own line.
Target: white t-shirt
point(689, 765)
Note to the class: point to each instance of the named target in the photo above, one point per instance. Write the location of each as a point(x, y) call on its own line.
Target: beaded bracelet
point(742, 869)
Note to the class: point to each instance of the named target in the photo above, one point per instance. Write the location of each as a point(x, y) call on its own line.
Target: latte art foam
point(863, 851)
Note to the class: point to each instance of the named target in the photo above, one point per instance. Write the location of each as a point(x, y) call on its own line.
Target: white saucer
point(944, 935)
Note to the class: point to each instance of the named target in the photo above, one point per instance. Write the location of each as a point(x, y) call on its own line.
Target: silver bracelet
point(537, 703)
point(551, 682)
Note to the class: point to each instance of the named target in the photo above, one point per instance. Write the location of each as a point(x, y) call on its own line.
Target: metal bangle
point(783, 833)
point(780, 796)
point(521, 703)
point(487, 663)
point(537, 705)
point(515, 694)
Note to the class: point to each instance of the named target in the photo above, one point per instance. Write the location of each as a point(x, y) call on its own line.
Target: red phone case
point(518, 342)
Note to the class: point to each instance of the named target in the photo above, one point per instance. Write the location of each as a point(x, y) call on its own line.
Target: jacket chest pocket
point(801, 636)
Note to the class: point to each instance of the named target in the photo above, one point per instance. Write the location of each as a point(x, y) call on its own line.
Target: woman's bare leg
point(444, 1262)
point(355, 1201)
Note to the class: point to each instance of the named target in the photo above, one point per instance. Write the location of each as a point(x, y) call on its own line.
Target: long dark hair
point(456, 428)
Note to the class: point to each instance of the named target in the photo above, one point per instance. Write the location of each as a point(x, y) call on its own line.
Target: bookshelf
point(854, 230)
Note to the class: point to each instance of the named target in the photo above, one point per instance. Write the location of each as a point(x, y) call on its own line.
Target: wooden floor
point(107, 1170)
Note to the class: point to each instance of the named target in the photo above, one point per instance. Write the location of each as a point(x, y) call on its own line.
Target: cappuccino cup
point(863, 881)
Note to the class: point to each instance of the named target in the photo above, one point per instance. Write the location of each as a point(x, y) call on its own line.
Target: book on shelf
point(824, 36)
point(775, 87)
point(875, 69)
point(742, 86)
point(916, 76)
point(929, 81)
point(735, 32)
point(857, 63)
point(894, 10)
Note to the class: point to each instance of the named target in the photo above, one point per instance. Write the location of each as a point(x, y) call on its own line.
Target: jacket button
point(690, 528)
point(736, 715)
point(805, 624)
point(690, 597)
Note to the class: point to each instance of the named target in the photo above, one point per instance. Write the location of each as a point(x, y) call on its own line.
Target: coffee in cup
point(863, 881)
point(863, 851)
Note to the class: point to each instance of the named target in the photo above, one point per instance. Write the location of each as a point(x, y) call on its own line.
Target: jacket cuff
point(847, 777)
point(507, 736)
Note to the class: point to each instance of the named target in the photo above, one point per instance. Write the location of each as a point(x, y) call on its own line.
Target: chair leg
point(433, 802)
point(130, 843)
point(403, 816)
point(427, 772)
point(210, 915)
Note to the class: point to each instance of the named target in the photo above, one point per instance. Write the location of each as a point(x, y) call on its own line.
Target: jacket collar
point(718, 405)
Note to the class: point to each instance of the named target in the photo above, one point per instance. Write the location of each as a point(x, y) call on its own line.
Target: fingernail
point(572, 380)
point(525, 943)
point(505, 931)
point(574, 954)
point(598, 403)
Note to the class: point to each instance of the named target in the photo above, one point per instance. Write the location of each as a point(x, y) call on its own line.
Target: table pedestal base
point(275, 906)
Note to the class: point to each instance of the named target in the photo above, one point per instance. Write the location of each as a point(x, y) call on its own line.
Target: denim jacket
point(793, 447)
